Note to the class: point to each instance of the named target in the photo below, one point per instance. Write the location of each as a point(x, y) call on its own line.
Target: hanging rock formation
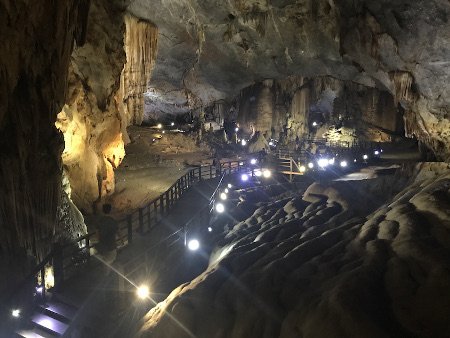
point(36, 40)
point(208, 52)
point(141, 39)
point(92, 125)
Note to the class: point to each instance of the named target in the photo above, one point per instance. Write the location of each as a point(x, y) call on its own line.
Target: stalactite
point(141, 38)
point(402, 86)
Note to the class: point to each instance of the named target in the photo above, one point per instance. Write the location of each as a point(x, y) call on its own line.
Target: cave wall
point(94, 130)
point(281, 108)
point(36, 40)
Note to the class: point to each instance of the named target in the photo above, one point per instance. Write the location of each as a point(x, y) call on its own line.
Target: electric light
point(331, 161)
point(314, 124)
point(270, 143)
point(142, 291)
point(39, 289)
point(229, 185)
point(236, 130)
point(159, 126)
point(258, 173)
point(302, 169)
point(244, 142)
point(241, 163)
point(267, 173)
point(15, 313)
point(244, 177)
point(323, 162)
point(226, 190)
point(376, 152)
point(172, 124)
point(209, 229)
point(223, 196)
point(310, 165)
point(365, 157)
point(193, 245)
point(343, 164)
point(220, 208)
point(163, 131)
point(253, 161)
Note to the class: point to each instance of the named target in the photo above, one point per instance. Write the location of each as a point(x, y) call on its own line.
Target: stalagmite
point(141, 40)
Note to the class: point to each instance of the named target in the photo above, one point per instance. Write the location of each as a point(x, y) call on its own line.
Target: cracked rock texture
point(210, 50)
point(339, 259)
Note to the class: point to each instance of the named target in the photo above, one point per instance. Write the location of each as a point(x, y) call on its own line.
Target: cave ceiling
point(210, 49)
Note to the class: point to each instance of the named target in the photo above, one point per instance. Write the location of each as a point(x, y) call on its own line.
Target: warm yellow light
point(302, 169)
point(143, 291)
point(159, 126)
point(267, 173)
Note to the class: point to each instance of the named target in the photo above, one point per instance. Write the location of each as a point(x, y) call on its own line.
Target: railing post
point(239, 166)
point(141, 221)
point(167, 201)
point(210, 172)
point(161, 204)
point(87, 246)
point(200, 173)
point(171, 195)
point(155, 207)
point(58, 267)
point(130, 228)
point(149, 217)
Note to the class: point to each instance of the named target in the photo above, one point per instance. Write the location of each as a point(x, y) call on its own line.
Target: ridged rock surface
point(341, 259)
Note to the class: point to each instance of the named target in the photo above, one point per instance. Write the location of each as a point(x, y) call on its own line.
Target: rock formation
point(208, 52)
point(36, 42)
point(338, 259)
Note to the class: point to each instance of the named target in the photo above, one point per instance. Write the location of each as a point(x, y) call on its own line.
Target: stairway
point(51, 319)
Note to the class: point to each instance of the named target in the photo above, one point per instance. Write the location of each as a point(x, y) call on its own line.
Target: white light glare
point(163, 131)
point(236, 130)
point(244, 177)
point(314, 124)
point(223, 196)
point(241, 163)
point(343, 164)
point(323, 162)
point(229, 185)
point(159, 126)
point(271, 143)
point(331, 161)
point(193, 244)
point(253, 161)
point(354, 160)
point(172, 124)
point(376, 152)
point(258, 173)
point(302, 169)
point(244, 142)
point(267, 173)
point(365, 157)
point(220, 208)
point(226, 190)
point(209, 229)
point(15, 313)
point(142, 291)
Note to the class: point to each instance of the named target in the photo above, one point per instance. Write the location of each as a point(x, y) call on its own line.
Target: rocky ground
point(154, 161)
point(366, 258)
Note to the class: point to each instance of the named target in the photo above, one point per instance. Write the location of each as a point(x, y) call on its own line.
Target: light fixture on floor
point(220, 208)
point(193, 244)
point(143, 291)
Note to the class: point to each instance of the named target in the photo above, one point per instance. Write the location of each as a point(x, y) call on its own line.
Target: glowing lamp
point(258, 173)
point(209, 229)
point(314, 124)
point(267, 173)
point(229, 185)
point(193, 245)
point(236, 130)
point(310, 165)
point(223, 196)
point(253, 161)
point(220, 208)
point(15, 313)
point(376, 152)
point(302, 169)
point(244, 177)
point(271, 143)
point(323, 162)
point(159, 126)
point(331, 161)
point(142, 291)
point(365, 157)
point(244, 143)
point(343, 164)
point(172, 124)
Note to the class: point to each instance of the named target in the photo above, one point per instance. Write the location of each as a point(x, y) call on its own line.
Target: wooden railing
point(66, 258)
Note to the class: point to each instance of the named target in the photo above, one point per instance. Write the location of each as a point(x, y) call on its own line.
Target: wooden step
point(58, 310)
point(49, 324)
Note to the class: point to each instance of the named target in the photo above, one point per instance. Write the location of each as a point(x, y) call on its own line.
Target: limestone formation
point(340, 259)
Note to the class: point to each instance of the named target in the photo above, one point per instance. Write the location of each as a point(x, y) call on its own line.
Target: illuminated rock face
point(92, 125)
point(210, 50)
point(36, 43)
